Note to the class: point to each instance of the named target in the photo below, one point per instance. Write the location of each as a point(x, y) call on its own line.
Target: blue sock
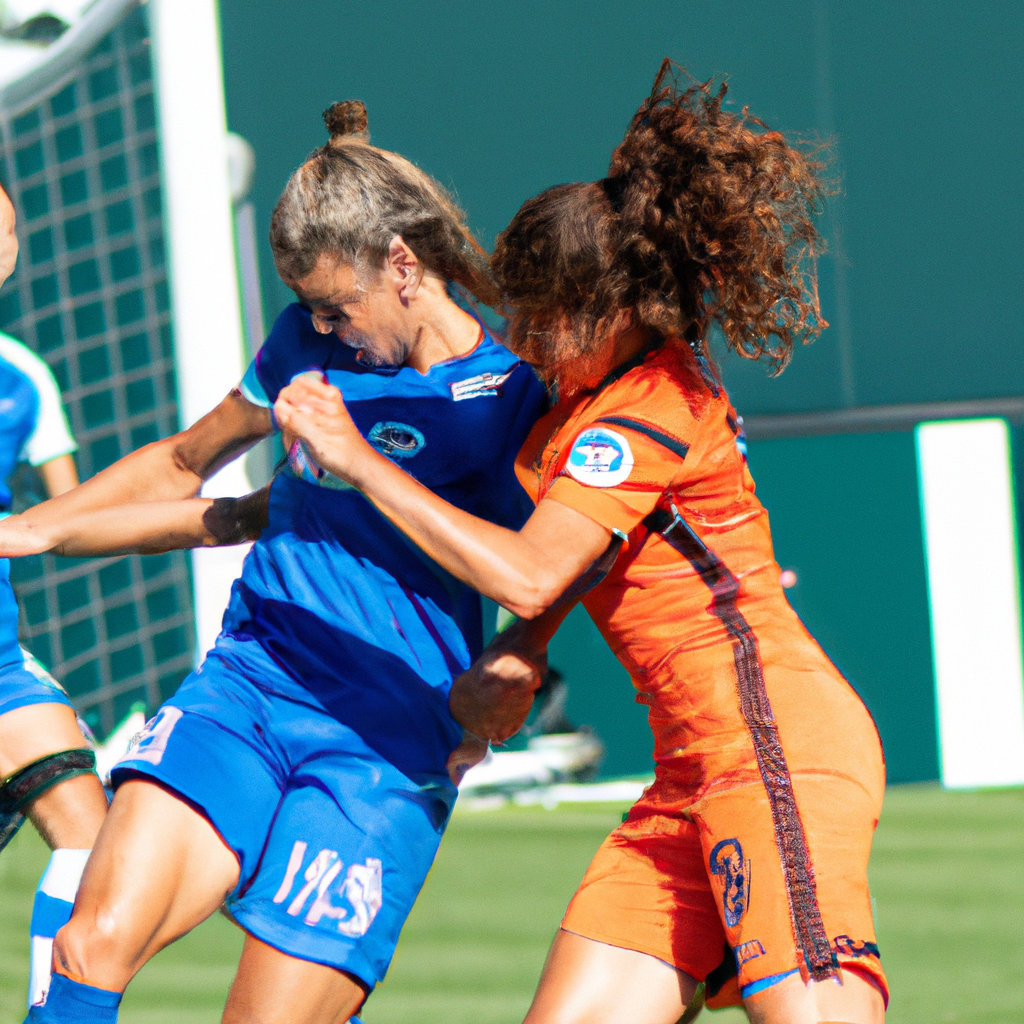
point(72, 1002)
point(55, 898)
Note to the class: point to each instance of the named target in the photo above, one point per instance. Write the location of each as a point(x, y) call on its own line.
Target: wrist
point(520, 646)
point(35, 538)
point(364, 466)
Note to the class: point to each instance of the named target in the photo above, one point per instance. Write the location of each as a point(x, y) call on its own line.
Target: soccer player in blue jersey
point(46, 766)
point(299, 776)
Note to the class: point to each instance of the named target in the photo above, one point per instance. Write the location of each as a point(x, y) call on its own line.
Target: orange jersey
point(756, 734)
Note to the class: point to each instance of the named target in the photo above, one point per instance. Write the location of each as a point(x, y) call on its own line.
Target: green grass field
point(947, 876)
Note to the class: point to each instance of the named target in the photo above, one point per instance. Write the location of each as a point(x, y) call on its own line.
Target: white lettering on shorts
point(600, 458)
point(365, 891)
point(361, 889)
point(316, 870)
point(151, 744)
point(294, 863)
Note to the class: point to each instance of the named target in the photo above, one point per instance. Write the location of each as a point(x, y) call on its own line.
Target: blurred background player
point(744, 865)
point(301, 774)
point(46, 766)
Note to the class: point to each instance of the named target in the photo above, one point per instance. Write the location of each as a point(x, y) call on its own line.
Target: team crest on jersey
point(396, 440)
point(348, 904)
point(850, 947)
point(727, 859)
point(600, 457)
point(482, 386)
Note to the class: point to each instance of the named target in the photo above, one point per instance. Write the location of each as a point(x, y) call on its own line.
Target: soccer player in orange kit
point(744, 865)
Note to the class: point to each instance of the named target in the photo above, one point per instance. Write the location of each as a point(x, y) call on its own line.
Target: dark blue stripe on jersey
point(346, 613)
point(756, 708)
point(673, 444)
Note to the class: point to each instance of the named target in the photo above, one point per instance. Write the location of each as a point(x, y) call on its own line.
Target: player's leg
point(849, 999)
point(194, 800)
point(196, 795)
point(348, 852)
point(43, 751)
point(69, 814)
point(586, 981)
point(641, 931)
point(157, 870)
point(272, 987)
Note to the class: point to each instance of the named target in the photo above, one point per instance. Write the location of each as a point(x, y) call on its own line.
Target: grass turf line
point(947, 876)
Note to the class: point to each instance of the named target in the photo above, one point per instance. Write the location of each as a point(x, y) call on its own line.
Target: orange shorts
point(705, 889)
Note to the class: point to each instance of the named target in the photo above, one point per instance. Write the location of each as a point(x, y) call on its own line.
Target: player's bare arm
point(166, 470)
point(145, 528)
point(525, 571)
point(59, 475)
point(8, 239)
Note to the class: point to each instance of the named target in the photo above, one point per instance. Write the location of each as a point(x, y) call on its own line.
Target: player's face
point(363, 309)
point(576, 362)
point(561, 356)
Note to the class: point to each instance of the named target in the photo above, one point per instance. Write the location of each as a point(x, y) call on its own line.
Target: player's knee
point(88, 947)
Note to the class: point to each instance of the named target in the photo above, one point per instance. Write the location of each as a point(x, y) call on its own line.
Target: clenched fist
point(493, 698)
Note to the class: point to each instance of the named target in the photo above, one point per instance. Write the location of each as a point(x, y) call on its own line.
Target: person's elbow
point(532, 597)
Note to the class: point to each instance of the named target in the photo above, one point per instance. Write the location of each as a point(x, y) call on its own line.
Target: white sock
point(55, 899)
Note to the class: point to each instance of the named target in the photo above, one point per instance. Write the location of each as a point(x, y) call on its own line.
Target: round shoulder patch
point(600, 457)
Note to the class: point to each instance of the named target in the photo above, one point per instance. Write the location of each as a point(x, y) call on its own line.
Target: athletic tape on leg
point(10, 822)
point(25, 785)
point(32, 781)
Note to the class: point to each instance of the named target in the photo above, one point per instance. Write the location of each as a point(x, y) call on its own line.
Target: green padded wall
point(924, 285)
point(845, 517)
point(502, 100)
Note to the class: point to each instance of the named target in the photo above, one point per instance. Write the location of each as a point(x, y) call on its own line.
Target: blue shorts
point(333, 842)
point(28, 683)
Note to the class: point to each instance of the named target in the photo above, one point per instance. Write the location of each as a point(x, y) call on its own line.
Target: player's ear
point(403, 269)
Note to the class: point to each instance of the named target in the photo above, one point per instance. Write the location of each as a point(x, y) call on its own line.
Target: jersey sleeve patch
point(600, 458)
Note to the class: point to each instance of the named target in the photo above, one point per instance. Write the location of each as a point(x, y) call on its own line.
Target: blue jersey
point(10, 651)
point(32, 422)
point(33, 427)
point(346, 614)
point(23, 680)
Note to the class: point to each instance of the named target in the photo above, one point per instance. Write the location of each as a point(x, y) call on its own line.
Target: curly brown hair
point(706, 217)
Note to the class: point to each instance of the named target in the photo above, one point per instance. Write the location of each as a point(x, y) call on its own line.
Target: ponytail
point(706, 217)
point(350, 199)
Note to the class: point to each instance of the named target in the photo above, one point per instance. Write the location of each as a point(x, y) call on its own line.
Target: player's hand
point(314, 410)
point(8, 239)
point(472, 750)
point(18, 538)
point(493, 698)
